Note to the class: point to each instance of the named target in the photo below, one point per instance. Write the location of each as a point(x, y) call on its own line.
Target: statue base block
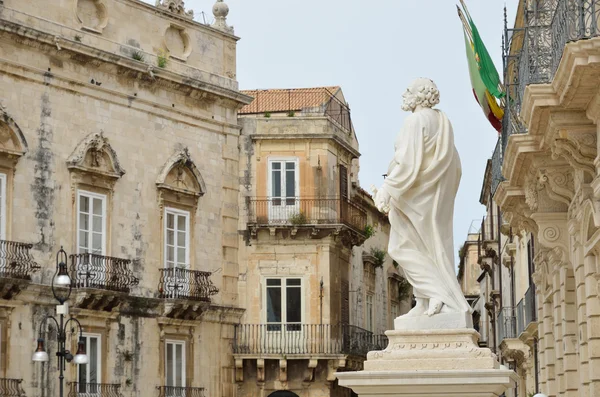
point(439, 321)
point(424, 363)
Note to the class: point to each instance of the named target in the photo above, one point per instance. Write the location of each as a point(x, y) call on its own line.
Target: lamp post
point(61, 279)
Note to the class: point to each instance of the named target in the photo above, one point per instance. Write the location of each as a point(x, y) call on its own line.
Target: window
point(91, 223)
point(284, 304)
point(395, 311)
point(90, 373)
point(175, 364)
point(177, 238)
point(2, 206)
point(284, 182)
point(369, 305)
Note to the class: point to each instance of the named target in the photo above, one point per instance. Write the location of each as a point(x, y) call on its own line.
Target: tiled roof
point(285, 100)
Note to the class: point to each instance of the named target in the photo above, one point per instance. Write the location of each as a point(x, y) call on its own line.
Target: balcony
point(305, 340)
point(11, 388)
point(507, 324)
point(102, 272)
point(527, 314)
point(532, 53)
point(297, 212)
point(186, 284)
point(16, 260)
point(172, 391)
point(94, 390)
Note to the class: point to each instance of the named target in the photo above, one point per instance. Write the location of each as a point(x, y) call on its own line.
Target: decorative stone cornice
point(176, 7)
point(579, 152)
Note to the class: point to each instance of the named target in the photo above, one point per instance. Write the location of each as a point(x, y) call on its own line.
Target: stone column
point(593, 324)
point(584, 375)
point(557, 333)
point(569, 333)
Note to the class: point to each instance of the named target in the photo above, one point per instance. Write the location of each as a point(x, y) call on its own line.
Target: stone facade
point(548, 157)
point(309, 233)
point(119, 119)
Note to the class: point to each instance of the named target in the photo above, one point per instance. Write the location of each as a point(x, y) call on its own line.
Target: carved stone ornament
point(579, 153)
point(176, 7)
point(12, 140)
point(95, 155)
point(92, 14)
point(180, 180)
point(220, 11)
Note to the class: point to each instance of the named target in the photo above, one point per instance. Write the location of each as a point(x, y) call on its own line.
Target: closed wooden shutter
point(345, 302)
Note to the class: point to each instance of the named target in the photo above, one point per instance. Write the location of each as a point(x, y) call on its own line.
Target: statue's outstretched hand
point(381, 198)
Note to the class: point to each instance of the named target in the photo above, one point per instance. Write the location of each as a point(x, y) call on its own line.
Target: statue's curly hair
point(427, 96)
point(422, 92)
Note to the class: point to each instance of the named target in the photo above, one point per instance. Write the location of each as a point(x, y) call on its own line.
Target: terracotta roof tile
point(285, 100)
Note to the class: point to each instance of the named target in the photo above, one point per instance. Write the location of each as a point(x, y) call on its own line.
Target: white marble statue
point(418, 193)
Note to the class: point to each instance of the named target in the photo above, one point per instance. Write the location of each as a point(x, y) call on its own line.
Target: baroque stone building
point(317, 286)
point(544, 178)
point(119, 142)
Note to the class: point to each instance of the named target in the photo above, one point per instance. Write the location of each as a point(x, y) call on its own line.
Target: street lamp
point(61, 279)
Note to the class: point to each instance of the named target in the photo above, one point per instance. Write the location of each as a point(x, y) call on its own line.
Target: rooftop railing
point(294, 211)
point(305, 339)
point(16, 260)
point(11, 387)
point(177, 283)
point(94, 390)
point(102, 272)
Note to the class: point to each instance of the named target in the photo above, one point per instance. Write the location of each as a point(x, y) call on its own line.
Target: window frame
point(369, 309)
point(177, 212)
point(283, 160)
point(176, 342)
point(283, 286)
point(92, 196)
point(87, 336)
point(3, 203)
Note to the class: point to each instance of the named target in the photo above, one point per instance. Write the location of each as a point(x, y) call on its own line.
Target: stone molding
point(94, 154)
point(175, 7)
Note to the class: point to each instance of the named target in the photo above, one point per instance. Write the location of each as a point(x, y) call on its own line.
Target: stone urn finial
point(220, 11)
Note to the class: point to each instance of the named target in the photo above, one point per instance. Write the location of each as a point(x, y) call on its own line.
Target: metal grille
point(507, 324)
point(94, 390)
point(172, 391)
point(296, 211)
point(186, 284)
point(102, 272)
point(305, 339)
point(16, 260)
point(11, 388)
point(497, 158)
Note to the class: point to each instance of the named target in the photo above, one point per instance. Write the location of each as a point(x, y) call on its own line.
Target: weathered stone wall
point(60, 91)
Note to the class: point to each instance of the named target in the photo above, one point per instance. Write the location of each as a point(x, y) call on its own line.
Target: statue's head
point(422, 92)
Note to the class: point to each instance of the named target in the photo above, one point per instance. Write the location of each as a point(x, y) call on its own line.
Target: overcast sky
point(373, 50)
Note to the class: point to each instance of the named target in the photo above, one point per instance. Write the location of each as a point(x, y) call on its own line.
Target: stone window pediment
point(12, 140)
point(95, 156)
point(180, 181)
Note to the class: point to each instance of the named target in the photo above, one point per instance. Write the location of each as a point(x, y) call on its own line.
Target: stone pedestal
point(424, 363)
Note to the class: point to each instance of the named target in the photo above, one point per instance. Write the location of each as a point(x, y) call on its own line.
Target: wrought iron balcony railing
point(532, 53)
point(94, 390)
point(507, 324)
point(172, 391)
point(16, 260)
point(11, 388)
point(497, 176)
point(102, 272)
point(526, 310)
point(294, 211)
point(305, 339)
point(186, 284)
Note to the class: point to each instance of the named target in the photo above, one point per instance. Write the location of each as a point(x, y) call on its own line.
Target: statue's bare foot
point(418, 310)
point(434, 307)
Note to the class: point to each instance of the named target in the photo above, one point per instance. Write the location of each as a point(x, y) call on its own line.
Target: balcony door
point(91, 269)
point(176, 253)
point(89, 375)
point(175, 368)
point(283, 190)
point(284, 315)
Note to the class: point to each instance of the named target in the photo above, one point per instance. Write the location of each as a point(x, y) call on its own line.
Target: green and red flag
point(484, 77)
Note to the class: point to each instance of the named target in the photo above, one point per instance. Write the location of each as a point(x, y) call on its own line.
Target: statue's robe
point(422, 181)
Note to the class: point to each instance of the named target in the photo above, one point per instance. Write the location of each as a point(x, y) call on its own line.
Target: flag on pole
point(486, 99)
